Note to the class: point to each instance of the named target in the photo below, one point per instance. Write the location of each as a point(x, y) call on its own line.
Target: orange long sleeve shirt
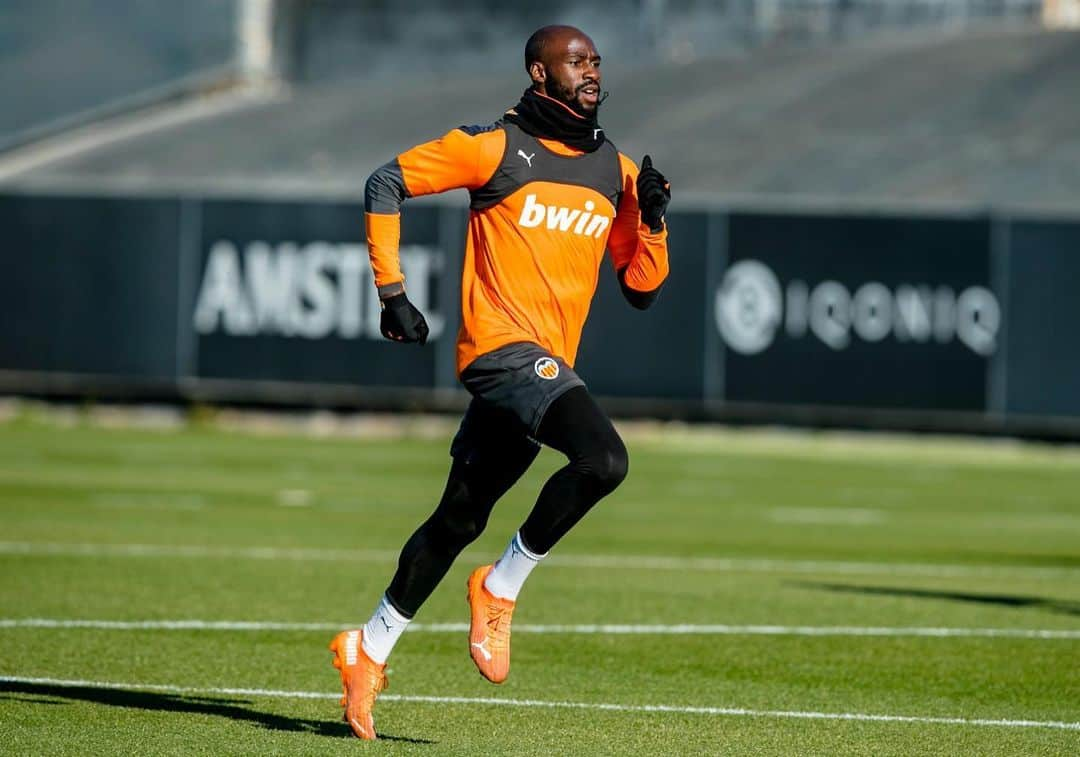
point(536, 235)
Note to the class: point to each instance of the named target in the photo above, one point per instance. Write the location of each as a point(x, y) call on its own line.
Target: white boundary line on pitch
point(684, 629)
point(648, 708)
point(616, 562)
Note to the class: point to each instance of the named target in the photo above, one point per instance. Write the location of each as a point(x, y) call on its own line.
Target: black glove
point(401, 321)
point(653, 195)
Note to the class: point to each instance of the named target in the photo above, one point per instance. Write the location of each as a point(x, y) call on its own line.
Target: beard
point(568, 96)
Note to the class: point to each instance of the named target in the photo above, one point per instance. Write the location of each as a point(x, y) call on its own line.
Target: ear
point(537, 72)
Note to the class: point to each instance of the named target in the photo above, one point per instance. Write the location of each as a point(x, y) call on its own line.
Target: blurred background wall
point(875, 217)
point(67, 61)
point(333, 36)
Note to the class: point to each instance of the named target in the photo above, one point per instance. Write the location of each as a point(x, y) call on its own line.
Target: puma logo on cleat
point(528, 158)
point(534, 213)
point(483, 651)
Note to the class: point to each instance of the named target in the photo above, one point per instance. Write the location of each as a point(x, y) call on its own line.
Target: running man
point(548, 194)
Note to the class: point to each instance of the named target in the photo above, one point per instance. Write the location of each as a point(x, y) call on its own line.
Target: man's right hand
point(401, 321)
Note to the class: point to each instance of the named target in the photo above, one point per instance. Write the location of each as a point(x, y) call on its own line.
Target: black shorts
point(512, 388)
point(521, 378)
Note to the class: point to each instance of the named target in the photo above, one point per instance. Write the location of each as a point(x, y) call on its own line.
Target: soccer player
point(548, 194)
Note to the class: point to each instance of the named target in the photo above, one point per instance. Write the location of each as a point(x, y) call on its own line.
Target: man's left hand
point(653, 195)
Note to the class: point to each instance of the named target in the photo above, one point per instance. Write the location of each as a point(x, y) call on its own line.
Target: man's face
point(572, 70)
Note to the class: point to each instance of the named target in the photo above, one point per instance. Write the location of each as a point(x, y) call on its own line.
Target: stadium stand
point(68, 62)
point(984, 119)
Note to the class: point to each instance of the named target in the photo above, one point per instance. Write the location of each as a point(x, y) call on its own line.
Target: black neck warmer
point(542, 116)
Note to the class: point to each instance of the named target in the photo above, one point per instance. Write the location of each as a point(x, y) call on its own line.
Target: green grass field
point(795, 588)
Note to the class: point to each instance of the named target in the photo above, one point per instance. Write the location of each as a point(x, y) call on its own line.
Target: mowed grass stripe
point(686, 629)
point(537, 703)
point(614, 562)
point(304, 529)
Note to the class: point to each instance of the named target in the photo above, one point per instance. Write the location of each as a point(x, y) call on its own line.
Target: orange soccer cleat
point(362, 679)
point(489, 629)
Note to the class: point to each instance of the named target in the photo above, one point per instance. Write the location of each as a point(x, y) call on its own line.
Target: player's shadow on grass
point(233, 709)
point(1007, 600)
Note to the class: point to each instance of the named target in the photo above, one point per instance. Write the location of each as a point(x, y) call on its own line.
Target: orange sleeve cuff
point(649, 267)
point(383, 239)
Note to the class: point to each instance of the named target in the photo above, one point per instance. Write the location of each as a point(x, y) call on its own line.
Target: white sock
point(508, 576)
point(383, 630)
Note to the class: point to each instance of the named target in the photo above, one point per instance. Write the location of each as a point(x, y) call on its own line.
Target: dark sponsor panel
point(764, 316)
point(656, 352)
point(1043, 355)
point(89, 285)
point(284, 292)
point(876, 312)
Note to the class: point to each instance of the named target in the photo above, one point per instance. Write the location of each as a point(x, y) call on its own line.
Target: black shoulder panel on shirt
point(475, 129)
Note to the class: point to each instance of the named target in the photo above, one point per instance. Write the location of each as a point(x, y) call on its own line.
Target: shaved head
point(563, 63)
point(546, 37)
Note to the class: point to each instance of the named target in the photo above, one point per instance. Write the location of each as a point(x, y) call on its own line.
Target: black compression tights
point(576, 426)
point(597, 463)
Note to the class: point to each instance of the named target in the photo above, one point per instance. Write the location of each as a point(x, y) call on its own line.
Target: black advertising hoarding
point(764, 316)
point(655, 353)
point(283, 291)
point(89, 286)
point(1043, 353)
point(872, 312)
